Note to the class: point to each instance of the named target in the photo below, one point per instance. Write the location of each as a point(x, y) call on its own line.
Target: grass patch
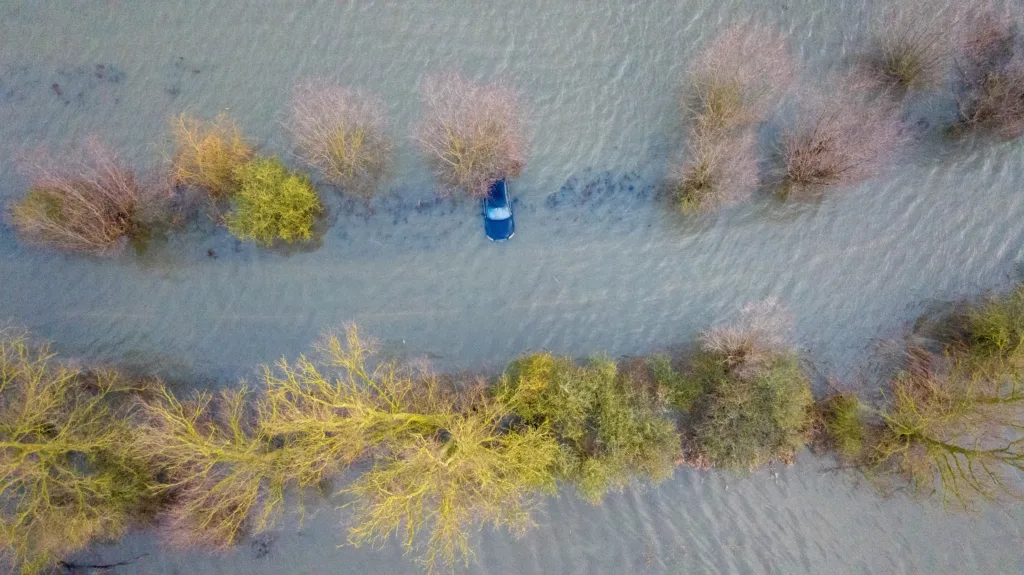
point(272, 203)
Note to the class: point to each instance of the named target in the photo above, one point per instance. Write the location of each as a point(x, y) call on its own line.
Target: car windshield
point(498, 213)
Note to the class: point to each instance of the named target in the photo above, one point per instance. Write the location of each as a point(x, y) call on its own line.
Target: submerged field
point(597, 265)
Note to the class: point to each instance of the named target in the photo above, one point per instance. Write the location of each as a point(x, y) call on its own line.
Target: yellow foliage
point(69, 473)
point(207, 153)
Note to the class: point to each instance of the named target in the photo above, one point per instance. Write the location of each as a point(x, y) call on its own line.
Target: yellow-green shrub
point(272, 203)
point(207, 153)
point(70, 473)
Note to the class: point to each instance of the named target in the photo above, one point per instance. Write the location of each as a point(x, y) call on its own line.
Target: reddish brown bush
point(990, 64)
point(912, 45)
point(841, 138)
point(343, 133)
point(737, 78)
point(716, 171)
point(87, 202)
point(473, 134)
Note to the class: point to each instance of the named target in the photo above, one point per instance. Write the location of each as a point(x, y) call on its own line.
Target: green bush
point(609, 428)
point(996, 327)
point(845, 426)
point(742, 423)
point(272, 203)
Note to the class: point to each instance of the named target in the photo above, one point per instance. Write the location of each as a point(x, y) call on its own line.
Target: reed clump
point(208, 153)
point(272, 203)
point(611, 430)
point(473, 134)
point(343, 133)
point(70, 472)
point(88, 203)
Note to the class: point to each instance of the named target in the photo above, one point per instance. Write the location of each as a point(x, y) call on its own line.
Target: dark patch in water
point(261, 546)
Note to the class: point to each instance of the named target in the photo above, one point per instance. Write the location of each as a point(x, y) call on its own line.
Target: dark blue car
point(499, 225)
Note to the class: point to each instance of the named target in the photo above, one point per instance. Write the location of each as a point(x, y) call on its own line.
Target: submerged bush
point(473, 134)
point(736, 79)
point(715, 172)
point(840, 139)
point(71, 474)
point(343, 133)
point(745, 394)
point(272, 203)
point(995, 328)
point(990, 91)
point(912, 45)
point(86, 205)
point(611, 431)
point(208, 154)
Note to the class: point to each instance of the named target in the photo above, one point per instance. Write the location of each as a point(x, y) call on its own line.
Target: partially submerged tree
point(473, 134)
point(343, 133)
point(990, 63)
point(70, 473)
point(736, 79)
point(715, 172)
point(611, 430)
point(912, 45)
point(444, 461)
point(208, 153)
point(841, 138)
point(272, 203)
point(225, 474)
point(88, 203)
point(746, 397)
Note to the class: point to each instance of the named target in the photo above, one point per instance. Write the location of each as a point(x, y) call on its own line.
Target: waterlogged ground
point(597, 263)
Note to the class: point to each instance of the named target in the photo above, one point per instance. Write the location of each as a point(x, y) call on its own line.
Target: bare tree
point(912, 45)
point(715, 171)
point(841, 138)
point(473, 134)
point(343, 133)
point(990, 63)
point(737, 78)
point(761, 333)
point(86, 202)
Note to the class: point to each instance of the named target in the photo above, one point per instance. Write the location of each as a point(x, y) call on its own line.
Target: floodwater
point(597, 263)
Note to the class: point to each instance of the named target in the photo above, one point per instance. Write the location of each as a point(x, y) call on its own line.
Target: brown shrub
point(473, 134)
point(759, 335)
point(343, 133)
point(840, 139)
point(84, 203)
point(990, 92)
point(207, 153)
point(912, 45)
point(716, 171)
point(737, 78)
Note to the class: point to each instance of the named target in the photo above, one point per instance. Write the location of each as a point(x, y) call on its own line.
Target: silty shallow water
point(597, 264)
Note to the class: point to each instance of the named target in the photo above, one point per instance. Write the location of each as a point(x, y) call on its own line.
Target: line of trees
point(90, 201)
point(87, 453)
